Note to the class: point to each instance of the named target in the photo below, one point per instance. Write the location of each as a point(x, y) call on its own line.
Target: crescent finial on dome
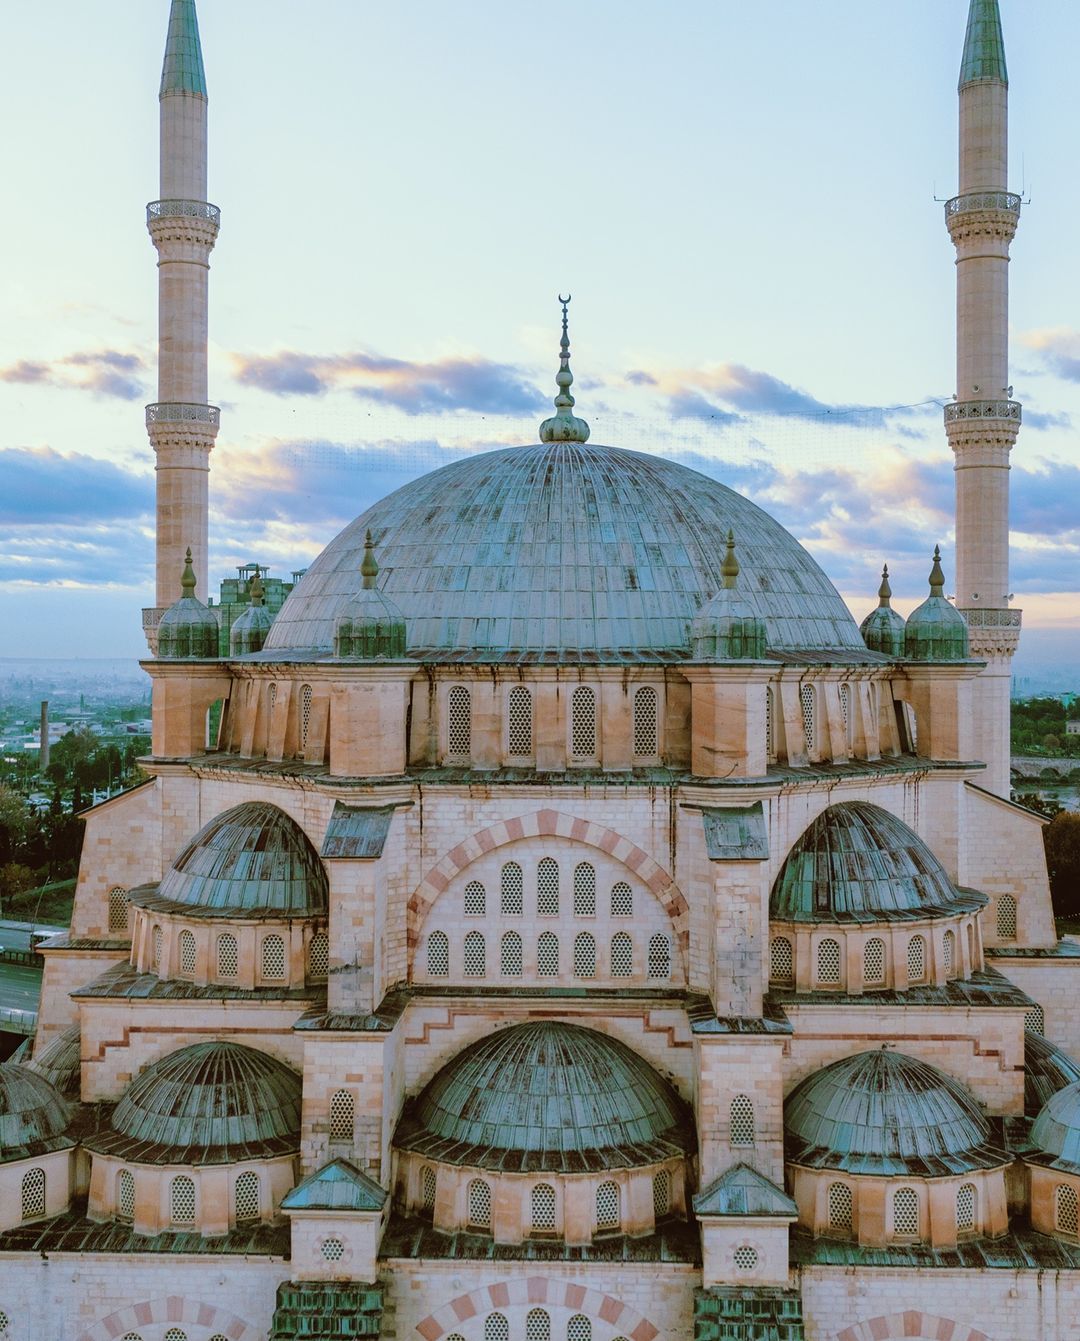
point(564, 425)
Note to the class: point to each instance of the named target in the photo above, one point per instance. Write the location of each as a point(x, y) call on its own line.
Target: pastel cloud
point(1059, 347)
point(104, 372)
point(46, 487)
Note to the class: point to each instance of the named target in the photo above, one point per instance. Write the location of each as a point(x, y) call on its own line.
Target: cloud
point(638, 377)
point(43, 486)
point(1039, 419)
point(104, 372)
point(459, 383)
point(693, 405)
point(1043, 502)
point(1060, 349)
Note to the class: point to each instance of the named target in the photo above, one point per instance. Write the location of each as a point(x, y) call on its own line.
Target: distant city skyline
point(741, 201)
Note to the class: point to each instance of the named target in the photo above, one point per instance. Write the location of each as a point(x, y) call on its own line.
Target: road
point(20, 987)
point(16, 935)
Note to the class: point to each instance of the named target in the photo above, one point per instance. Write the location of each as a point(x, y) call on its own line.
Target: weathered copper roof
point(357, 831)
point(1046, 1070)
point(34, 1118)
point(858, 863)
point(60, 1062)
point(547, 1096)
point(566, 548)
point(337, 1186)
point(1055, 1133)
point(886, 1113)
point(211, 1103)
point(743, 1191)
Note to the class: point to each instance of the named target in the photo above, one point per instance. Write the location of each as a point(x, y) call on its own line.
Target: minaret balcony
point(182, 412)
point(183, 209)
point(983, 200)
point(959, 410)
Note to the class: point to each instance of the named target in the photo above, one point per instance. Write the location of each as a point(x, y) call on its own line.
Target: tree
point(1062, 839)
point(1052, 742)
point(15, 823)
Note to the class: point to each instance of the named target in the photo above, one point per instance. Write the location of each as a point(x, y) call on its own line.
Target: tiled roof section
point(380, 1021)
point(1066, 948)
point(744, 1191)
point(337, 1186)
point(984, 45)
point(736, 833)
point(982, 989)
point(182, 71)
point(886, 1113)
point(341, 1310)
point(251, 858)
point(1047, 1069)
point(34, 1118)
point(123, 981)
point(1055, 1133)
point(1019, 1250)
point(357, 831)
point(211, 1103)
point(748, 1313)
point(858, 863)
point(74, 1233)
point(565, 549)
point(547, 1096)
point(59, 1062)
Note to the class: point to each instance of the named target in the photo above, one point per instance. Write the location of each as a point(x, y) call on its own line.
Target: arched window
point(659, 961)
point(782, 960)
point(511, 901)
point(246, 1197)
point(584, 890)
point(948, 952)
point(646, 721)
point(916, 959)
point(228, 956)
point(965, 1208)
point(770, 725)
point(547, 888)
point(125, 1195)
point(305, 714)
point(342, 1115)
point(428, 1184)
point(33, 1194)
point(319, 956)
point(158, 940)
point(905, 1213)
point(438, 955)
point(742, 1120)
point(543, 1207)
point(583, 723)
point(511, 957)
point(806, 698)
point(496, 1328)
point(845, 710)
point(519, 723)
point(119, 911)
point(584, 955)
point(271, 699)
point(1035, 1020)
point(828, 962)
point(182, 1200)
point(1066, 1210)
point(459, 722)
point(622, 900)
point(1006, 917)
point(175, 1334)
point(479, 1204)
point(273, 958)
point(661, 1194)
point(475, 955)
point(187, 954)
point(607, 1206)
point(475, 899)
point(840, 1207)
point(537, 1323)
point(579, 1328)
point(622, 955)
point(547, 955)
point(874, 960)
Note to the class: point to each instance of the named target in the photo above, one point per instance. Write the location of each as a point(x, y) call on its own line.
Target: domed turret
point(60, 1062)
point(251, 626)
point(33, 1117)
point(370, 624)
point(564, 425)
point(936, 630)
point(727, 628)
point(188, 629)
point(883, 628)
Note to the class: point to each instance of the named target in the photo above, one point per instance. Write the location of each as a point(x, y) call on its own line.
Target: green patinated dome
point(188, 630)
point(251, 626)
point(1046, 1071)
point(369, 625)
point(251, 860)
point(936, 630)
point(547, 1096)
point(885, 1113)
point(727, 628)
point(1055, 1133)
point(858, 863)
point(60, 1062)
point(34, 1117)
point(212, 1103)
point(883, 628)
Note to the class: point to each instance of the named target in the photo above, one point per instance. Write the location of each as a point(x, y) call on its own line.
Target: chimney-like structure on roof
point(983, 421)
point(184, 228)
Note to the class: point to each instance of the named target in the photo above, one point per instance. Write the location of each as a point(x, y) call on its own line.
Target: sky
point(743, 199)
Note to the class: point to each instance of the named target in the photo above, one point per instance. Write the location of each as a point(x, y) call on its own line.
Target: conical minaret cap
point(984, 46)
point(183, 70)
point(564, 425)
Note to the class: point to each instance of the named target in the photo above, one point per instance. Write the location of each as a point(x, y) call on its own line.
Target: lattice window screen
point(622, 900)
point(519, 722)
point(119, 912)
point(840, 1206)
point(428, 1184)
point(271, 699)
point(948, 952)
point(537, 1322)
point(511, 955)
point(742, 1120)
point(905, 1212)
point(319, 955)
point(33, 1194)
point(273, 958)
point(333, 1249)
point(782, 966)
point(916, 959)
point(459, 721)
point(547, 955)
point(305, 714)
point(246, 1196)
point(607, 1206)
point(342, 1115)
point(584, 890)
point(496, 1328)
point(659, 962)
point(965, 1207)
point(845, 707)
point(182, 1200)
point(1035, 1020)
point(806, 698)
point(547, 888)
point(479, 1204)
point(1006, 917)
point(475, 955)
point(187, 954)
point(125, 1195)
point(584, 955)
point(175, 1334)
point(745, 1257)
point(583, 723)
point(438, 955)
point(661, 1194)
point(874, 960)
point(228, 956)
point(512, 900)
point(158, 940)
point(770, 729)
point(475, 899)
point(646, 719)
point(622, 955)
point(579, 1328)
point(1066, 1210)
point(828, 960)
point(543, 1206)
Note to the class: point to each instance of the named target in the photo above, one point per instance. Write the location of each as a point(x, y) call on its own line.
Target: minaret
point(184, 228)
point(983, 421)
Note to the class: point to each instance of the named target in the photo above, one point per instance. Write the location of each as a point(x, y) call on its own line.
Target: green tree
point(1062, 839)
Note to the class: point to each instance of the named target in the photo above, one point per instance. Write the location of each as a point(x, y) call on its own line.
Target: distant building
point(234, 597)
point(1072, 728)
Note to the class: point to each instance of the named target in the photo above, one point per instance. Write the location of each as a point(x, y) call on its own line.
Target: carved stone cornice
point(984, 428)
point(993, 633)
point(181, 224)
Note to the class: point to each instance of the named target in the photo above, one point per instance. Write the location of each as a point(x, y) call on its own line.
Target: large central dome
point(567, 550)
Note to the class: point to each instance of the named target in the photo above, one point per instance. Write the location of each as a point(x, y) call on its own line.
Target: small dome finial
point(884, 591)
point(256, 591)
point(369, 568)
point(187, 580)
point(937, 577)
point(729, 569)
point(564, 426)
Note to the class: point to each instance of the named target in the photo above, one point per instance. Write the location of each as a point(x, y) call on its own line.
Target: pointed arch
point(530, 1292)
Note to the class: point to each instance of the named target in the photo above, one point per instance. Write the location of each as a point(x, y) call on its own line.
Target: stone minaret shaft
point(184, 228)
point(983, 422)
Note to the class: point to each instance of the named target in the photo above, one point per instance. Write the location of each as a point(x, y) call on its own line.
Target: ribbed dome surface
point(253, 859)
point(858, 863)
point(570, 550)
point(1046, 1070)
point(60, 1062)
point(33, 1116)
point(1056, 1131)
point(885, 1113)
point(212, 1103)
point(547, 1096)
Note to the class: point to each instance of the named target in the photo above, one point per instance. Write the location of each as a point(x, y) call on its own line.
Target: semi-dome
point(211, 1103)
point(547, 1096)
point(858, 863)
point(252, 860)
point(1046, 1070)
point(33, 1116)
point(60, 1062)
point(565, 550)
point(889, 1114)
point(1055, 1133)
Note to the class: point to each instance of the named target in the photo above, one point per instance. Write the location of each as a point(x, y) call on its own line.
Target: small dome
point(859, 863)
point(727, 627)
point(1056, 1131)
point(369, 624)
point(936, 630)
point(251, 860)
point(883, 628)
point(188, 629)
point(885, 1113)
point(251, 626)
point(1046, 1070)
point(547, 1096)
point(33, 1117)
point(60, 1062)
point(213, 1103)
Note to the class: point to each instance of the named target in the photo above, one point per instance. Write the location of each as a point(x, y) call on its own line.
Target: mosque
point(560, 921)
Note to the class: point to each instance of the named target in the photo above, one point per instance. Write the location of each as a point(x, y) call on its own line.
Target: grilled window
point(438, 955)
point(659, 961)
point(874, 960)
point(948, 952)
point(646, 720)
point(916, 959)
point(806, 698)
point(583, 723)
point(333, 1249)
point(547, 956)
point(511, 901)
point(246, 1197)
point(33, 1194)
point(271, 697)
point(1035, 1020)
point(828, 962)
point(845, 709)
point(479, 1204)
point(182, 1200)
point(511, 955)
point(428, 1184)
point(965, 1207)
point(475, 955)
point(584, 955)
point(158, 941)
point(187, 954)
point(228, 956)
point(537, 1322)
point(840, 1207)
point(519, 723)
point(745, 1257)
point(342, 1115)
point(273, 958)
point(547, 888)
point(742, 1120)
point(770, 727)
point(175, 1334)
point(459, 721)
point(475, 899)
point(782, 968)
point(905, 1213)
point(1066, 1210)
point(584, 890)
point(579, 1328)
point(496, 1328)
point(607, 1206)
point(543, 1207)
point(319, 955)
point(622, 900)
point(119, 909)
point(661, 1194)
point(622, 955)
point(1006, 917)
point(305, 714)
point(125, 1195)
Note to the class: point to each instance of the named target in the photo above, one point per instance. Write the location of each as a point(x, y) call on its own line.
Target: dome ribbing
point(33, 1115)
point(60, 1062)
point(1056, 1131)
point(1046, 1071)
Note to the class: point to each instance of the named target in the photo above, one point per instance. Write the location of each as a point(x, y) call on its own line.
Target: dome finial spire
point(937, 577)
point(369, 568)
point(256, 590)
point(564, 426)
point(884, 591)
point(729, 569)
point(188, 580)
